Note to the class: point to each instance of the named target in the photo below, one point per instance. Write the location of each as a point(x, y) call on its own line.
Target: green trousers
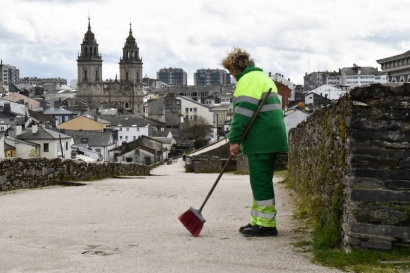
point(261, 177)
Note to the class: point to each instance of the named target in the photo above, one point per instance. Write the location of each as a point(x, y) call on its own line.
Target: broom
point(192, 219)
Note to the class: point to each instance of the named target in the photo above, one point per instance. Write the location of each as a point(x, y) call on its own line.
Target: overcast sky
point(42, 37)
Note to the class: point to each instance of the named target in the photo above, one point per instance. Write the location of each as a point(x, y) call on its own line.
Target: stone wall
point(352, 160)
point(21, 173)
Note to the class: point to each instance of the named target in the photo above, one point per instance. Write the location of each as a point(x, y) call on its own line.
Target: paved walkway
point(131, 225)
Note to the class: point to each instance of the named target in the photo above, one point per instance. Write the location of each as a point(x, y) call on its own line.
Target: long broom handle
point(240, 141)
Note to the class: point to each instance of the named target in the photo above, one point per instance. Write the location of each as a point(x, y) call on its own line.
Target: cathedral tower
point(89, 68)
point(131, 63)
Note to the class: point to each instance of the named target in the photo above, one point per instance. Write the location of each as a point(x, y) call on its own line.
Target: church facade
point(125, 92)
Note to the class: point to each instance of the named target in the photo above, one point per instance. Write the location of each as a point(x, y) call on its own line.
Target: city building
point(48, 143)
point(172, 76)
point(2, 90)
point(278, 78)
point(43, 81)
point(212, 77)
point(360, 75)
point(315, 79)
point(9, 75)
point(396, 67)
point(345, 78)
point(125, 92)
point(166, 110)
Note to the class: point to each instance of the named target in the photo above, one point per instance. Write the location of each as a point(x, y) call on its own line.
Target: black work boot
point(243, 227)
point(259, 231)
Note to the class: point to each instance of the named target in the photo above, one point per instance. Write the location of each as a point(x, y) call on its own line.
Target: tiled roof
point(41, 134)
point(365, 70)
point(130, 120)
point(39, 117)
point(103, 121)
point(58, 111)
point(92, 138)
point(194, 101)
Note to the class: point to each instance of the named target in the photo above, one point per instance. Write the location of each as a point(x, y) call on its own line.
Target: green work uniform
point(265, 139)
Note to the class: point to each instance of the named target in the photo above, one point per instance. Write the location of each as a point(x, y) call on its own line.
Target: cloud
point(289, 37)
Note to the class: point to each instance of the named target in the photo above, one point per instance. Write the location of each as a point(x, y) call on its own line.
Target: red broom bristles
point(193, 221)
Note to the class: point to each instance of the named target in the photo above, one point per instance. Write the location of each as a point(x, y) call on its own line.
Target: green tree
point(199, 130)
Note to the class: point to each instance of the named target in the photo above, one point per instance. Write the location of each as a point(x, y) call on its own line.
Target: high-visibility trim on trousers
point(261, 177)
point(264, 216)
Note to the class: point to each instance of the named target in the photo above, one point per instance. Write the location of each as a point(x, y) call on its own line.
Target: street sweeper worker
point(264, 140)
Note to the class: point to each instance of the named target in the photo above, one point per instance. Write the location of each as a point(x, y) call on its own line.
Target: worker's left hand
point(234, 149)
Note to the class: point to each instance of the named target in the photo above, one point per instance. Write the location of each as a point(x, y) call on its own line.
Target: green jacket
point(268, 132)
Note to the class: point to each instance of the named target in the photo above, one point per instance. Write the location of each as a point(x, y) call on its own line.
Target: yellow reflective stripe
point(265, 215)
point(244, 111)
point(265, 203)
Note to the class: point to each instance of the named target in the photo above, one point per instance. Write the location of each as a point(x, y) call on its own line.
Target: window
point(121, 137)
point(134, 137)
point(120, 128)
point(127, 129)
point(190, 109)
point(45, 147)
point(126, 137)
point(66, 146)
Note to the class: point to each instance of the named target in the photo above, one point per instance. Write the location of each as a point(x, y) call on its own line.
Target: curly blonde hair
point(237, 60)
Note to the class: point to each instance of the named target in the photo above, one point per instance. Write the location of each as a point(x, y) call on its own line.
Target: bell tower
point(131, 63)
point(89, 68)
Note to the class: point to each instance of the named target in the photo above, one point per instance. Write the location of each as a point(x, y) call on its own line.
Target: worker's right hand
point(234, 149)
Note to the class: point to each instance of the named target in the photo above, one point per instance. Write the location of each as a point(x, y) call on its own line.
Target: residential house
point(59, 113)
point(5, 124)
point(328, 91)
point(167, 143)
point(14, 147)
point(10, 108)
point(191, 110)
point(51, 144)
point(311, 102)
point(39, 118)
point(9, 151)
point(19, 98)
point(293, 117)
point(130, 127)
point(85, 123)
point(166, 110)
point(144, 150)
point(99, 142)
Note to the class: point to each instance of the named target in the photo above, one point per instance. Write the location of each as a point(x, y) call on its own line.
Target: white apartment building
point(191, 110)
point(357, 75)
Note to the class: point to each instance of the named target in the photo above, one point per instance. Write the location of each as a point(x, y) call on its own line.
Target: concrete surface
point(131, 225)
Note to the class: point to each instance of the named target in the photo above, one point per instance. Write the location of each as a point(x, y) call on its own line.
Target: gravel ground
point(131, 225)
